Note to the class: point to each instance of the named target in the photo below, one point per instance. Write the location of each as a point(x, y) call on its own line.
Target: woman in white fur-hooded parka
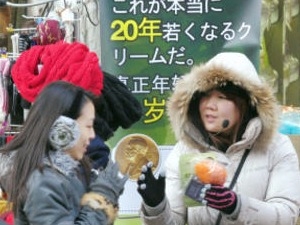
point(223, 110)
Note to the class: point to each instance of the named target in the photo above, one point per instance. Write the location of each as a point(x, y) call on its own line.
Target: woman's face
point(215, 108)
point(87, 133)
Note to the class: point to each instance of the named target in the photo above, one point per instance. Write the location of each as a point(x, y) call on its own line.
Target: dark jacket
point(57, 192)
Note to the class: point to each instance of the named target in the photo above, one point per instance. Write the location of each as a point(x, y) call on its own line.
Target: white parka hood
point(224, 67)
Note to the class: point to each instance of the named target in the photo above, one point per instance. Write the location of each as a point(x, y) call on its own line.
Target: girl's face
point(87, 133)
point(215, 108)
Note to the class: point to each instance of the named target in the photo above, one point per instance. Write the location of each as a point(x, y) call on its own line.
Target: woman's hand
point(151, 189)
point(220, 198)
point(109, 183)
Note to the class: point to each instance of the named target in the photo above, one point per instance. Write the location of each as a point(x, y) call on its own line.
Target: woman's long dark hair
point(31, 145)
point(241, 99)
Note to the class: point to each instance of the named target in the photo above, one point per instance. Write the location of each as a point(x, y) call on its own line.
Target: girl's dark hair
point(241, 99)
point(31, 145)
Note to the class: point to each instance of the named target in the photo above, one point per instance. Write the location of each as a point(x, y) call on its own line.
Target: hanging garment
point(4, 72)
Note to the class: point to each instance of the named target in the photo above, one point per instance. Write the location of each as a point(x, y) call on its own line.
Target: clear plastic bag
point(198, 169)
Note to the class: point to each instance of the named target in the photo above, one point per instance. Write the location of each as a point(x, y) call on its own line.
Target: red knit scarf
point(61, 61)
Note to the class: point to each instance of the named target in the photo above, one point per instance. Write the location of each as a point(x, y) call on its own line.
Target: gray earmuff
point(64, 133)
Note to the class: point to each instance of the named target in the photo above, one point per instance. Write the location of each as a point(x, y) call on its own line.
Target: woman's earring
point(64, 133)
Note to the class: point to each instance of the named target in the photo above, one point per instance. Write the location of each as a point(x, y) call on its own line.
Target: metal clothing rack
point(11, 29)
point(13, 129)
point(7, 3)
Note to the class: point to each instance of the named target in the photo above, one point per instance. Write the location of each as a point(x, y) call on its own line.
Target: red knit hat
point(49, 32)
point(72, 62)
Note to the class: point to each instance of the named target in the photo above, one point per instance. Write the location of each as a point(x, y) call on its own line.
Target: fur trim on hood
point(224, 67)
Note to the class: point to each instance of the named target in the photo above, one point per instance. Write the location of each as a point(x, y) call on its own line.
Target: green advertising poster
point(149, 45)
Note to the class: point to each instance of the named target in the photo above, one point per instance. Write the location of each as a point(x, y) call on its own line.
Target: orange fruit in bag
point(211, 171)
